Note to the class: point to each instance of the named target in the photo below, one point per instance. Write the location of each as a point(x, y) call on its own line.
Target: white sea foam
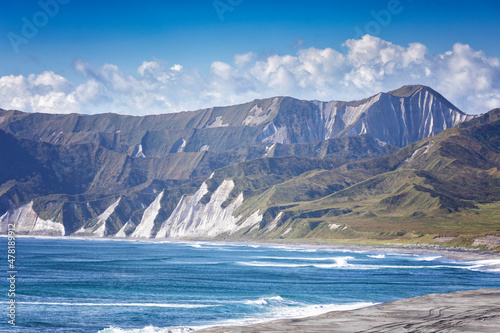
point(487, 262)
point(270, 264)
point(279, 247)
point(277, 312)
point(426, 258)
point(371, 267)
point(148, 329)
point(301, 250)
point(315, 310)
point(377, 256)
point(294, 310)
point(339, 262)
point(304, 258)
point(344, 250)
point(280, 309)
point(264, 300)
point(488, 265)
point(185, 263)
point(292, 249)
point(138, 305)
point(217, 246)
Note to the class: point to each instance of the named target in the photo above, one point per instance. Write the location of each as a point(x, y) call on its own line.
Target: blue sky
point(86, 55)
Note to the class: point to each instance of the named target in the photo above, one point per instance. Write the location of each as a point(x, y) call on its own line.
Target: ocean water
point(76, 285)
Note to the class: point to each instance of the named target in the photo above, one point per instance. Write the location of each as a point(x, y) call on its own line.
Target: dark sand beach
point(464, 311)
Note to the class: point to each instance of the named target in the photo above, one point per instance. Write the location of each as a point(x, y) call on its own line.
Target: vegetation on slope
point(447, 185)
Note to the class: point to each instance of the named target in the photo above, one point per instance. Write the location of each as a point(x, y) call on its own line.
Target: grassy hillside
point(444, 186)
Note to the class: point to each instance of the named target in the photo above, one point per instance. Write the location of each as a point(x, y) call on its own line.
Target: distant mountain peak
point(398, 117)
point(410, 89)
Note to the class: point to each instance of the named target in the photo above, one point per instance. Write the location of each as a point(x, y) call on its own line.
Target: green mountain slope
point(446, 185)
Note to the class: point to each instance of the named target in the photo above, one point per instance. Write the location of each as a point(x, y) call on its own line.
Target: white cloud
point(46, 92)
point(371, 50)
point(149, 67)
point(241, 60)
point(467, 77)
point(176, 68)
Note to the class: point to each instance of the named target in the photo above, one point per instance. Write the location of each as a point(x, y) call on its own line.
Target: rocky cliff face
point(142, 177)
point(27, 222)
point(193, 218)
point(398, 118)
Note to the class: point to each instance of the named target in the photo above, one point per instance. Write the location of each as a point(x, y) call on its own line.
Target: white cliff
point(274, 223)
point(23, 218)
point(27, 222)
point(143, 230)
point(127, 227)
point(97, 227)
point(191, 218)
point(47, 228)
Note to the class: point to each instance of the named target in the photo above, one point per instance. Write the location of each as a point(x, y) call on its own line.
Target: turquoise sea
point(76, 285)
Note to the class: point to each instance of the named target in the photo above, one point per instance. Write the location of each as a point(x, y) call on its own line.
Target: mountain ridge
point(274, 120)
point(139, 173)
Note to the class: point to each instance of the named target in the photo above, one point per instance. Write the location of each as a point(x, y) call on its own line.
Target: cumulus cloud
point(467, 77)
point(241, 60)
point(46, 92)
point(374, 62)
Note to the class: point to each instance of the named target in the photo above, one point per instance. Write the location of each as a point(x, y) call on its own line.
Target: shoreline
point(489, 259)
point(465, 311)
point(460, 254)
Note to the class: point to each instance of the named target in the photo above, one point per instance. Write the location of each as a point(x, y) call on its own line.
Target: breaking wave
point(426, 258)
point(137, 305)
point(279, 308)
point(148, 329)
point(377, 256)
point(339, 262)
